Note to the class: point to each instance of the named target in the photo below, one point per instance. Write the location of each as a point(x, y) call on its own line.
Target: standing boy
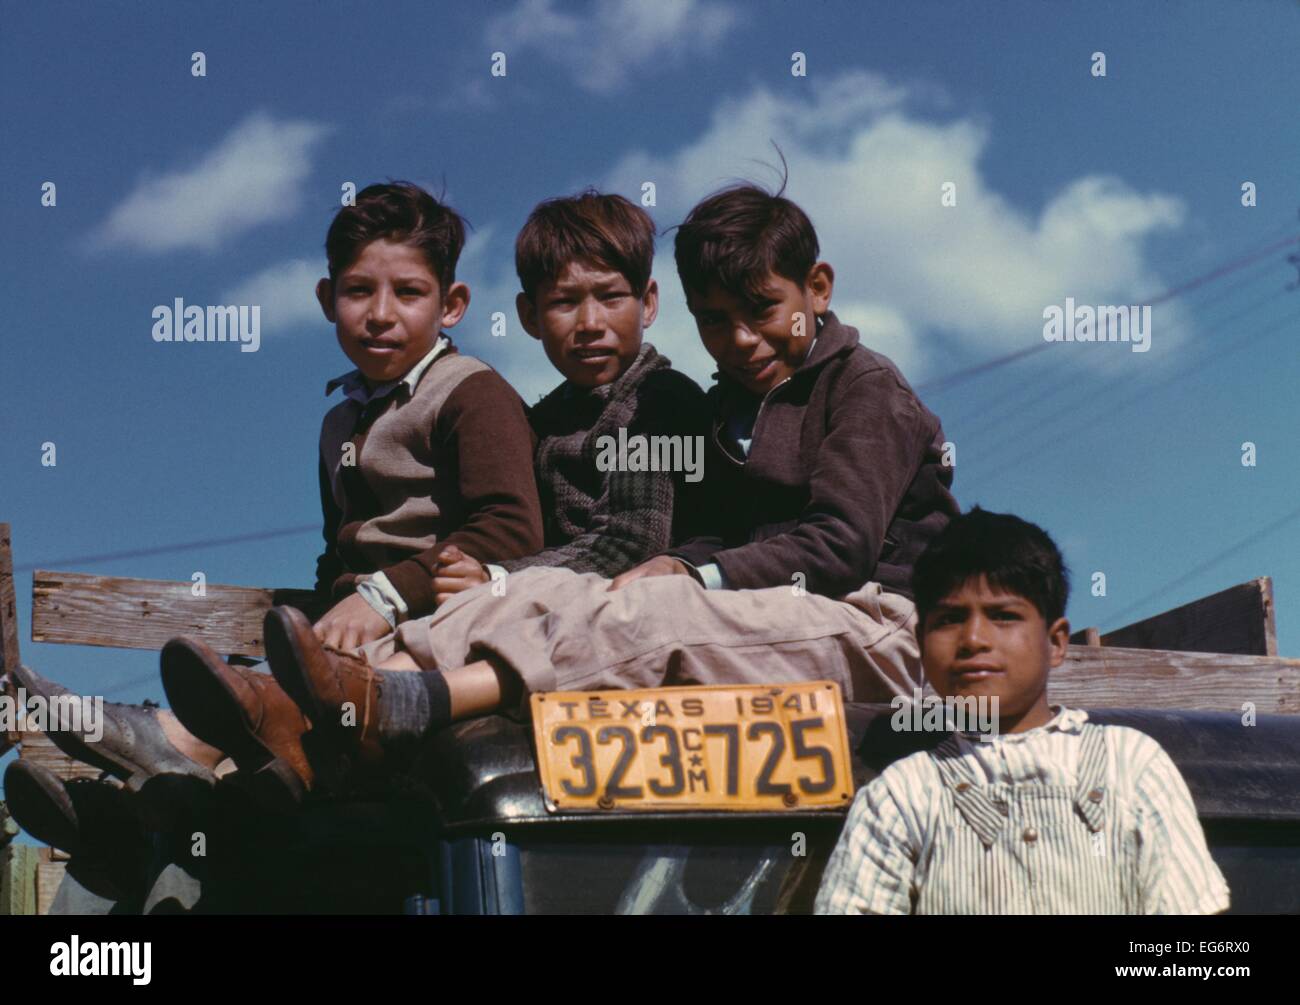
point(1054, 815)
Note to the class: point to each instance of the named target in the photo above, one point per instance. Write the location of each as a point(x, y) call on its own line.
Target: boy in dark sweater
point(584, 264)
point(824, 467)
point(829, 482)
point(429, 449)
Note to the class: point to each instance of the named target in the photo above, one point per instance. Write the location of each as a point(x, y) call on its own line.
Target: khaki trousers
point(564, 631)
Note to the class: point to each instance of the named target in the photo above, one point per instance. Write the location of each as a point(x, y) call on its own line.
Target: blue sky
point(219, 190)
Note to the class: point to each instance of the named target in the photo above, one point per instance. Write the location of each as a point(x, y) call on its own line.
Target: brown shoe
point(339, 691)
point(244, 714)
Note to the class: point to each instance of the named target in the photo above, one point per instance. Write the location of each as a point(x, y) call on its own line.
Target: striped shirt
point(1068, 818)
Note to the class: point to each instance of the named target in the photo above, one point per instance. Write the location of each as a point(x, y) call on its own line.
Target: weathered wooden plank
point(1115, 677)
point(89, 610)
point(18, 865)
point(37, 748)
point(48, 877)
point(8, 624)
point(1239, 620)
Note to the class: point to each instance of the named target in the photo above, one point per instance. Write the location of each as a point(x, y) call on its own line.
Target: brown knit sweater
point(451, 463)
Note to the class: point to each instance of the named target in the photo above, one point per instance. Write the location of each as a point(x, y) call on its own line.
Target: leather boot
point(339, 691)
point(132, 746)
point(245, 714)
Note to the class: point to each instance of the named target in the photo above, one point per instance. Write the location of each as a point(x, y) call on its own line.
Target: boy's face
point(387, 308)
point(984, 642)
point(760, 344)
point(589, 321)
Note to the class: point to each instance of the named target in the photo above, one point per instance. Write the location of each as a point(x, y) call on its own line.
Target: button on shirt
point(377, 590)
point(1068, 818)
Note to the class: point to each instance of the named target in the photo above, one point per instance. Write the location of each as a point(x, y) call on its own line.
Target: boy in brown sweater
point(429, 449)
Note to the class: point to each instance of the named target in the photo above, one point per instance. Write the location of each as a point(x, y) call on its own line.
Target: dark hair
point(736, 238)
point(602, 229)
point(1013, 554)
point(403, 212)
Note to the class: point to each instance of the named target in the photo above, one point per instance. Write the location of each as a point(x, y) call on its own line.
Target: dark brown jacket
point(843, 482)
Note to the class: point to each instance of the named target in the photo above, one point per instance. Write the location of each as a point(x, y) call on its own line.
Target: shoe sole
point(209, 709)
point(40, 803)
point(131, 773)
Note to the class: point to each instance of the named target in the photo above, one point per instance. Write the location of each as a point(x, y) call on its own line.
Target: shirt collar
point(1064, 720)
point(355, 387)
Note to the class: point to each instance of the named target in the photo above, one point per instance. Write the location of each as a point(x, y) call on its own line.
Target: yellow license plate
point(694, 748)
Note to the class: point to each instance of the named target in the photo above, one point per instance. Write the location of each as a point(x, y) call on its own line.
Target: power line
point(1144, 392)
point(168, 548)
point(1112, 365)
point(1093, 396)
point(951, 380)
point(120, 686)
point(1207, 564)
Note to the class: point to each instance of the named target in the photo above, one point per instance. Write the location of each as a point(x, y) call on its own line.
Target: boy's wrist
point(412, 581)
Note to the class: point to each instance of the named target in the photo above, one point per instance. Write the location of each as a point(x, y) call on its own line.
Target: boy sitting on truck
point(428, 449)
point(584, 265)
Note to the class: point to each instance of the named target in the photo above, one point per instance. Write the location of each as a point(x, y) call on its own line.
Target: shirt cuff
point(379, 593)
point(709, 575)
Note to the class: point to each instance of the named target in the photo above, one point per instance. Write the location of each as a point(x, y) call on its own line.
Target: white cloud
point(253, 176)
point(286, 293)
point(885, 330)
point(869, 175)
point(614, 39)
point(907, 269)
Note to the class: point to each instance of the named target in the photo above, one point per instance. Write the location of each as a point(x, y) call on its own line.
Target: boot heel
point(277, 786)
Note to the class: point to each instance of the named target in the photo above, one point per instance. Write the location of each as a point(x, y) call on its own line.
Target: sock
point(412, 704)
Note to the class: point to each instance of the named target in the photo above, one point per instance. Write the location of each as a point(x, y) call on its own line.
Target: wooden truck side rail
point(76, 608)
point(1238, 621)
point(1237, 663)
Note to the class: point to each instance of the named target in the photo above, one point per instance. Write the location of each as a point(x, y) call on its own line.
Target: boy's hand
point(456, 572)
point(351, 623)
point(661, 565)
